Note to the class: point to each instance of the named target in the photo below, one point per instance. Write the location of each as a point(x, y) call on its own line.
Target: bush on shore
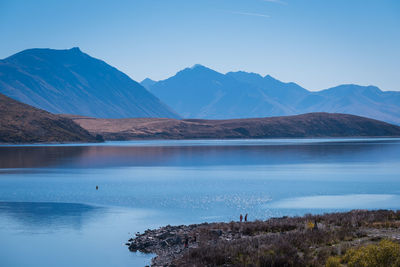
point(386, 253)
point(293, 242)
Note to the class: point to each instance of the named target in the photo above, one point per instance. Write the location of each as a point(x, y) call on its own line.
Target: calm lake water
point(52, 215)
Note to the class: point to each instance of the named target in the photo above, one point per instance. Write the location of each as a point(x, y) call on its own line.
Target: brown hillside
point(306, 125)
point(21, 123)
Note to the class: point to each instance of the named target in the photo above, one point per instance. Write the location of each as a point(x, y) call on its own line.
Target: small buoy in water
point(97, 187)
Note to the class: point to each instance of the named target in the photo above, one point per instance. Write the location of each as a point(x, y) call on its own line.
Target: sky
point(317, 44)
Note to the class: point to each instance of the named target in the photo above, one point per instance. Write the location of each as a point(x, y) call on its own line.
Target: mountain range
point(200, 92)
point(70, 81)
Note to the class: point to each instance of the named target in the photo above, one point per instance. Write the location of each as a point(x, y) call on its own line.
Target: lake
point(52, 215)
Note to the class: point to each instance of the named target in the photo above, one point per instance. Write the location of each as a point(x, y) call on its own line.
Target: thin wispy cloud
point(276, 1)
point(251, 14)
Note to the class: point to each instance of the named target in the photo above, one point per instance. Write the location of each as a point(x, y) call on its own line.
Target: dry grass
point(283, 241)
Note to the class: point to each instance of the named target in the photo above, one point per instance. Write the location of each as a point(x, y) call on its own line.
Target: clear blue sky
point(315, 43)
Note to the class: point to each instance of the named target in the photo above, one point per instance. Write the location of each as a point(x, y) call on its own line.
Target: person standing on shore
point(186, 242)
point(315, 225)
point(241, 217)
point(245, 218)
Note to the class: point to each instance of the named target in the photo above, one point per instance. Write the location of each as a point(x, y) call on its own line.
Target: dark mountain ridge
point(70, 81)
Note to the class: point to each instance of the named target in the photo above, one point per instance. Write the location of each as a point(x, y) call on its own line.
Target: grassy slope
point(21, 123)
point(306, 125)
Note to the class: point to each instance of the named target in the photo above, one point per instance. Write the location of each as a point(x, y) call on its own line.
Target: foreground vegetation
point(356, 238)
point(386, 253)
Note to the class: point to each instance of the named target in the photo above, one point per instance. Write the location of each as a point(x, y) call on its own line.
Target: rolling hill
point(70, 81)
point(299, 126)
point(21, 123)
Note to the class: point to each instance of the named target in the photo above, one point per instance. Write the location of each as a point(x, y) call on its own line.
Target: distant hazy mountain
point(200, 92)
point(368, 101)
point(287, 93)
point(21, 123)
point(69, 81)
point(147, 82)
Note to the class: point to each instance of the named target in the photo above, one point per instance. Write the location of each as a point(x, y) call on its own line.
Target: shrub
point(293, 241)
point(333, 262)
point(386, 253)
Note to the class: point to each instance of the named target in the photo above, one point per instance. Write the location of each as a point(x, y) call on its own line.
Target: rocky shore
point(167, 242)
point(170, 242)
point(286, 241)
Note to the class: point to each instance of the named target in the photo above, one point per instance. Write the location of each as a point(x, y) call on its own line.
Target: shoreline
point(283, 139)
point(310, 239)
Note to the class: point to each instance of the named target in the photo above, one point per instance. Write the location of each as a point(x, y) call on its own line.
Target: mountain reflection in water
point(215, 152)
point(47, 215)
